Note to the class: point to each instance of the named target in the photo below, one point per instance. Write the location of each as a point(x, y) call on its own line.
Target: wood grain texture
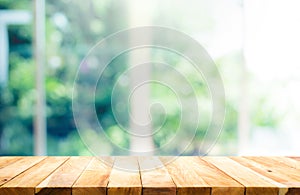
point(275, 165)
point(281, 170)
point(149, 175)
point(293, 163)
point(265, 171)
point(12, 170)
point(125, 177)
point(26, 182)
point(295, 157)
point(60, 182)
point(253, 181)
point(155, 177)
point(6, 160)
point(186, 179)
point(93, 179)
point(217, 179)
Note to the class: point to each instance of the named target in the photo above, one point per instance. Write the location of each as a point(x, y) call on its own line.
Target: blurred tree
point(67, 44)
point(73, 27)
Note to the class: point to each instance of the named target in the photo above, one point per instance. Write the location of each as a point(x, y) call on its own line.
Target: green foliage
point(9, 4)
point(72, 28)
point(68, 145)
point(16, 109)
point(66, 45)
point(265, 114)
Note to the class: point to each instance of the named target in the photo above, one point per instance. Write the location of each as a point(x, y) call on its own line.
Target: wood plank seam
point(71, 169)
point(152, 167)
point(172, 179)
point(112, 166)
point(55, 169)
point(253, 181)
point(82, 172)
point(289, 174)
point(166, 170)
point(140, 177)
point(150, 175)
point(177, 186)
point(9, 161)
point(267, 172)
point(25, 182)
point(97, 168)
point(21, 171)
point(218, 180)
point(226, 174)
point(125, 167)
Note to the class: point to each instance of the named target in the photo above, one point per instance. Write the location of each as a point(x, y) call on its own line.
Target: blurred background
point(254, 43)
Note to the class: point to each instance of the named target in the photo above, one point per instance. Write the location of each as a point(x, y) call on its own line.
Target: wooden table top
point(185, 175)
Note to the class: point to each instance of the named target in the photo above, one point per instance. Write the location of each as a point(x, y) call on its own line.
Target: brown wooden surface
point(155, 177)
point(29, 179)
point(94, 179)
point(185, 176)
point(62, 179)
point(253, 181)
point(125, 177)
point(13, 169)
point(149, 175)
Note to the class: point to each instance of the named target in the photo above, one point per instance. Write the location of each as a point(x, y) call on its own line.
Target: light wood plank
point(217, 179)
point(61, 180)
point(26, 182)
point(277, 166)
point(295, 157)
point(187, 181)
point(281, 161)
point(94, 178)
point(281, 171)
point(287, 161)
point(6, 160)
point(124, 177)
point(253, 181)
point(155, 177)
point(265, 171)
point(12, 170)
point(187, 175)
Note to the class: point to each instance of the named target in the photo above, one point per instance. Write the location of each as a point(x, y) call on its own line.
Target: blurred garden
point(74, 27)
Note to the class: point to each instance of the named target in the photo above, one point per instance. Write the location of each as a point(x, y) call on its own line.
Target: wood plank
point(265, 171)
point(217, 179)
point(293, 163)
point(286, 173)
point(125, 177)
point(12, 170)
point(6, 160)
point(26, 182)
point(155, 177)
point(295, 157)
point(185, 178)
point(277, 166)
point(94, 178)
point(61, 180)
point(148, 175)
point(253, 181)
